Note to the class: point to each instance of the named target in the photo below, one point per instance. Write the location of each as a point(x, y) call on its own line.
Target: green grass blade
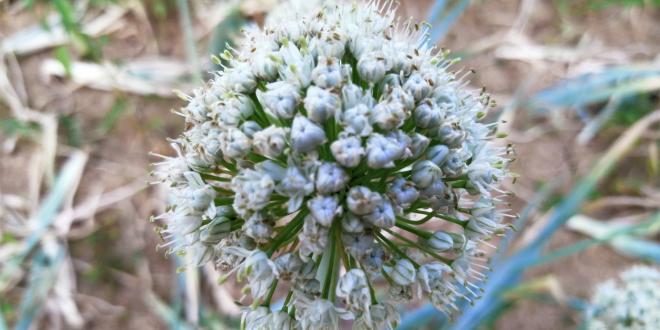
point(111, 117)
point(510, 272)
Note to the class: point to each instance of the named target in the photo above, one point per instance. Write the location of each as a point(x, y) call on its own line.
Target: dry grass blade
point(37, 37)
point(156, 76)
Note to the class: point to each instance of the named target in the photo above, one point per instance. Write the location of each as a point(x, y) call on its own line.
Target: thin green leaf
point(597, 87)
point(510, 272)
point(189, 40)
point(442, 26)
point(72, 131)
point(12, 126)
point(111, 117)
point(225, 33)
point(63, 56)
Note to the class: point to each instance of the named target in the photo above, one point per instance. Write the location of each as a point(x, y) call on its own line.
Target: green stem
point(214, 177)
point(395, 248)
point(289, 230)
point(462, 223)
point(331, 260)
point(412, 229)
point(224, 201)
point(423, 248)
point(287, 300)
point(416, 222)
point(271, 291)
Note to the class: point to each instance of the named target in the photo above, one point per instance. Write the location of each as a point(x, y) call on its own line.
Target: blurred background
point(87, 90)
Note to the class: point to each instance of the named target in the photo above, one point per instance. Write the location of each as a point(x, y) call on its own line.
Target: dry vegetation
point(119, 280)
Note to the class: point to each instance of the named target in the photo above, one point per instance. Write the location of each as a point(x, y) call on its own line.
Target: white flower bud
point(402, 273)
point(352, 95)
point(319, 314)
point(234, 143)
point(331, 178)
point(425, 173)
point(373, 259)
point(372, 67)
point(197, 110)
point(257, 318)
point(417, 87)
point(390, 81)
point(446, 99)
point(280, 320)
point(321, 104)
point(361, 200)
point(381, 316)
point(382, 152)
point(265, 64)
point(233, 111)
point(388, 115)
point(402, 140)
point(240, 78)
point(260, 272)
point(481, 177)
point(280, 99)
point(296, 185)
point(455, 163)
point(313, 240)
point(352, 224)
point(403, 192)
point(432, 276)
point(288, 265)
point(451, 134)
point(356, 120)
point(438, 154)
point(353, 287)
point(399, 95)
point(270, 142)
point(418, 144)
point(250, 128)
point(382, 215)
point(327, 73)
point(400, 293)
point(358, 244)
point(348, 151)
point(198, 195)
point(330, 44)
point(253, 190)
point(184, 221)
point(427, 115)
point(441, 241)
point(306, 135)
point(257, 228)
point(213, 232)
point(297, 68)
point(437, 188)
point(324, 209)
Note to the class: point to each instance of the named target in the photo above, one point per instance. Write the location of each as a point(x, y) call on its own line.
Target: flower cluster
point(635, 305)
point(335, 155)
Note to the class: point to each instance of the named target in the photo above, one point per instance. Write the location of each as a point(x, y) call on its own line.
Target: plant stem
point(412, 229)
point(419, 246)
point(270, 293)
point(396, 249)
point(462, 223)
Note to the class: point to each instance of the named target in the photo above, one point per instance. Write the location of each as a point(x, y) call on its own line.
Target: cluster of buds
point(333, 156)
point(634, 305)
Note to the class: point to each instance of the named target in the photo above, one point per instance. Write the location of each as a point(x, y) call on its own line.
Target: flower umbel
point(333, 156)
point(635, 304)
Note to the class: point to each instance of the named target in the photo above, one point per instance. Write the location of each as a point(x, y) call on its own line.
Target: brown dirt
point(109, 260)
